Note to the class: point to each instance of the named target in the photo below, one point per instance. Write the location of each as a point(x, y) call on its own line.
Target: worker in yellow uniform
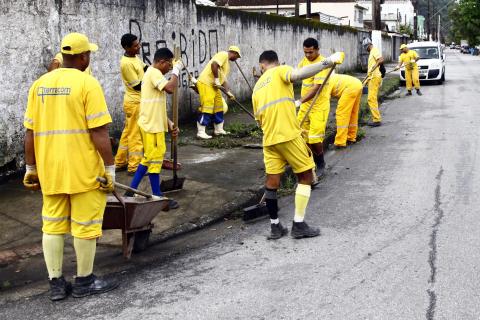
point(348, 90)
point(132, 68)
point(374, 78)
point(57, 62)
point(409, 58)
point(153, 120)
point(214, 76)
point(316, 122)
point(67, 147)
point(274, 107)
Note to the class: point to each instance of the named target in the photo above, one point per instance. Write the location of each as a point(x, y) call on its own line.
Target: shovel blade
point(172, 184)
point(255, 211)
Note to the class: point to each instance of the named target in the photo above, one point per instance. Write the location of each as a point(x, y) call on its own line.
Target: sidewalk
point(221, 178)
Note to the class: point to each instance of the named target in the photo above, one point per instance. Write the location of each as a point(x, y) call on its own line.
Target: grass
point(288, 184)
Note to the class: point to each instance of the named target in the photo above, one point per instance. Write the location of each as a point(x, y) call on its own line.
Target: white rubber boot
point(219, 129)
point(201, 132)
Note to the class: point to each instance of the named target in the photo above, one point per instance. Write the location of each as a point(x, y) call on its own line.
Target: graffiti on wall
point(196, 46)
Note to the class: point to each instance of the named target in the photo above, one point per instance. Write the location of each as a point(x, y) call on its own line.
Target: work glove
point(30, 181)
point(337, 57)
point(397, 68)
point(177, 67)
point(298, 103)
point(216, 83)
point(230, 95)
point(109, 175)
point(193, 80)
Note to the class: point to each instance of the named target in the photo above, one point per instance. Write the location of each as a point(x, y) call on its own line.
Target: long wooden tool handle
point(238, 103)
point(364, 81)
point(176, 53)
point(317, 95)
point(125, 187)
point(244, 77)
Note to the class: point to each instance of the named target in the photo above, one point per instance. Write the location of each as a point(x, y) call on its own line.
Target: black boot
point(409, 93)
point(277, 231)
point(419, 92)
point(320, 165)
point(86, 286)
point(302, 230)
point(374, 124)
point(59, 288)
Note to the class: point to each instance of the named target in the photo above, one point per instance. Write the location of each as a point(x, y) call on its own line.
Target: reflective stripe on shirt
point(96, 115)
point(273, 103)
point(54, 132)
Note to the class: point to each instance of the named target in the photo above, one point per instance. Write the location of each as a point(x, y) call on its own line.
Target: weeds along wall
point(32, 31)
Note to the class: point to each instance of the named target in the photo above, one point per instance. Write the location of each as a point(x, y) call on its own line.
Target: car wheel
point(442, 79)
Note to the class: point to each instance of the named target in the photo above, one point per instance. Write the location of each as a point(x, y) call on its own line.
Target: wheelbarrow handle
point(125, 187)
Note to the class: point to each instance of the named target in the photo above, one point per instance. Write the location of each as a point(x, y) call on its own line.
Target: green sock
point(53, 254)
point(85, 251)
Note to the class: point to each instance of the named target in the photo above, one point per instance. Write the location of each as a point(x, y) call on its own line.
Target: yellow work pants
point(316, 122)
point(130, 149)
point(211, 100)
point(347, 115)
point(154, 150)
point(79, 213)
point(412, 76)
point(373, 88)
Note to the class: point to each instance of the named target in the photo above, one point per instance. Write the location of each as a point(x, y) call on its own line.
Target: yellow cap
point(403, 46)
point(235, 49)
point(76, 43)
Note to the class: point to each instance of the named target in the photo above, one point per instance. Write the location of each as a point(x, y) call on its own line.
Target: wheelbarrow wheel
point(141, 240)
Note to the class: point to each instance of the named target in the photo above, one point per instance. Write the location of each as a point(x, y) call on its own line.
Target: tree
point(406, 29)
point(465, 17)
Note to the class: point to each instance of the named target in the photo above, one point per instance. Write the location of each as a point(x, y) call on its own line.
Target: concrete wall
point(32, 31)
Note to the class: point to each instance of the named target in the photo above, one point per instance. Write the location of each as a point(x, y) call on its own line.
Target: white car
point(431, 65)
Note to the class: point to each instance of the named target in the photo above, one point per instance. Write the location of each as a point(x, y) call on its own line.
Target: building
point(349, 12)
point(280, 7)
point(339, 12)
point(394, 13)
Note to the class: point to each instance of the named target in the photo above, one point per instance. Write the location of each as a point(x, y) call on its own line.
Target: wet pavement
point(399, 216)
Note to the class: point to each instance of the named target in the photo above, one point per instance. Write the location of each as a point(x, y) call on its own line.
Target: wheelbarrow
point(133, 216)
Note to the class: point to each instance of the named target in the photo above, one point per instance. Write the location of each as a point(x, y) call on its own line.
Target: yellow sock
point(302, 195)
point(85, 251)
point(53, 254)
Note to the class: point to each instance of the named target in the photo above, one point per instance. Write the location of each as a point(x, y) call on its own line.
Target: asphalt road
point(400, 223)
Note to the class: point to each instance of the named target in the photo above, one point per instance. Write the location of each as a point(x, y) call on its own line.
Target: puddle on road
point(205, 158)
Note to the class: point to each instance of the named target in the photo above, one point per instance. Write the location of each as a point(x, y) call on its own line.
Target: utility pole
point(309, 9)
point(297, 8)
point(415, 21)
point(428, 20)
point(439, 29)
point(376, 20)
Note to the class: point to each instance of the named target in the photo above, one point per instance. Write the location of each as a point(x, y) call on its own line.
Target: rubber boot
point(219, 129)
point(201, 132)
point(419, 92)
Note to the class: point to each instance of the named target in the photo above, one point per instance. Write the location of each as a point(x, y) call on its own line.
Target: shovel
point(255, 211)
point(177, 182)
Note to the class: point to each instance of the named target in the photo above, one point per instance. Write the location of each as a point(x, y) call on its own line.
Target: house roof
point(259, 3)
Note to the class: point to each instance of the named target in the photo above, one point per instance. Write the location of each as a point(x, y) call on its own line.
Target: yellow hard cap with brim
point(235, 49)
point(403, 46)
point(76, 43)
